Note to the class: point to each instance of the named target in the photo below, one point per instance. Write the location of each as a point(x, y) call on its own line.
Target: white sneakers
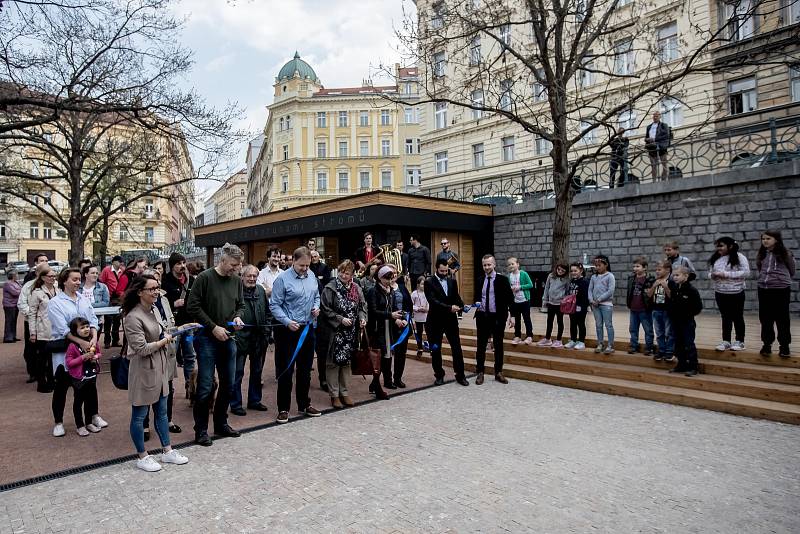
point(737, 345)
point(92, 428)
point(58, 430)
point(557, 344)
point(723, 346)
point(149, 464)
point(571, 344)
point(544, 342)
point(99, 421)
point(528, 340)
point(580, 345)
point(515, 341)
point(82, 432)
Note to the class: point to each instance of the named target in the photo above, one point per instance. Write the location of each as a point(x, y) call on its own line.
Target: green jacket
point(525, 284)
point(254, 339)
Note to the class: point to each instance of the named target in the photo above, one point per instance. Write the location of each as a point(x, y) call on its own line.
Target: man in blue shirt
point(295, 304)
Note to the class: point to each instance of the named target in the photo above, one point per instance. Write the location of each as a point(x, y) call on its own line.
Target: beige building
point(323, 143)
point(467, 149)
point(229, 202)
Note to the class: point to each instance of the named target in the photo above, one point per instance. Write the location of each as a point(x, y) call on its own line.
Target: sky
point(240, 45)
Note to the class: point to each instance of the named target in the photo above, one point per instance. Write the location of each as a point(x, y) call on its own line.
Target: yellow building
point(229, 202)
point(323, 143)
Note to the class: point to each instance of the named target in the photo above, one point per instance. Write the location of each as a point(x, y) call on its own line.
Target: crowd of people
point(212, 322)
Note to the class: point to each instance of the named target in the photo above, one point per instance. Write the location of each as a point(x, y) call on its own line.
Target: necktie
point(488, 292)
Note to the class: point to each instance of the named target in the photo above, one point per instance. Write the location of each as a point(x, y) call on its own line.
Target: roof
point(298, 66)
point(368, 90)
point(408, 72)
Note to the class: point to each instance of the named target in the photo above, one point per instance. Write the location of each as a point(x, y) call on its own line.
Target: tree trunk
point(562, 216)
point(103, 240)
point(75, 232)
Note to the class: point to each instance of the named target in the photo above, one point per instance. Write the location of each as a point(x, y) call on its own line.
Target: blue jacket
point(102, 297)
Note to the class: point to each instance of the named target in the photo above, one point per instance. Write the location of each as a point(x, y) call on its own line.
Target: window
point(741, 19)
point(123, 233)
point(412, 176)
point(585, 73)
point(3, 229)
point(539, 88)
point(742, 96)
point(285, 183)
point(410, 115)
point(149, 234)
point(792, 15)
point(285, 152)
point(149, 208)
point(322, 119)
point(440, 115)
point(386, 147)
point(363, 118)
point(437, 17)
point(34, 230)
point(623, 57)
point(475, 51)
point(363, 147)
point(241, 204)
point(288, 122)
point(408, 88)
point(441, 162)
point(343, 119)
point(668, 42)
point(280, 124)
point(671, 111)
point(505, 35)
point(365, 180)
point(506, 99)
point(590, 137)
point(794, 82)
point(386, 118)
point(507, 144)
point(322, 149)
point(543, 146)
point(344, 181)
point(322, 181)
point(477, 156)
point(627, 120)
point(386, 179)
point(580, 10)
point(439, 64)
point(477, 100)
point(149, 179)
point(343, 149)
point(409, 146)
point(47, 230)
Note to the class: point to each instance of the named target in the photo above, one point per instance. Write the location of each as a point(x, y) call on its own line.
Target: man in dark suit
point(491, 317)
point(445, 302)
point(365, 254)
point(657, 139)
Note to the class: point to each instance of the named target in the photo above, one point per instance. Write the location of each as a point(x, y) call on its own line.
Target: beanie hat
point(175, 257)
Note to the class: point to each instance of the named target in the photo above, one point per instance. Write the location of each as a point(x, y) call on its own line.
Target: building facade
point(229, 202)
point(321, 144)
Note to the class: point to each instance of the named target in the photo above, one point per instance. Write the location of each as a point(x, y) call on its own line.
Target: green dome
point(299, 66)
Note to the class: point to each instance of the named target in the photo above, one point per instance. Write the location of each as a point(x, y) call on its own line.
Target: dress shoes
point(438, 382)
point(381, 395)
point(336, 403)
point(463, 381)
point(400, 384)
point(347, 401)
point(390, 385)
point(227, 432)
point(238, 411)
point(500, 378)
point(479, 379)
point(203, 439)
point(259, 407)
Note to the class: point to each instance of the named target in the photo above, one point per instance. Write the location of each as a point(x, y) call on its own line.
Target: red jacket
point(111, 279)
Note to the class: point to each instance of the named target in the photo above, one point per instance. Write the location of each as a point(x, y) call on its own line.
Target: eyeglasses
point(445, 243)
point(152, 289)
point(49, 276)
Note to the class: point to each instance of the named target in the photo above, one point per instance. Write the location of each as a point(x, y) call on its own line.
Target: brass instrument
point(390, 255)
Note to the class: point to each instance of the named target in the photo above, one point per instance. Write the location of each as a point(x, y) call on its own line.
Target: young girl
point(775, 271)
point(521, 286)
point(578, 286)
point(421, 308)
point(728, 269)
point(82, 367)
point(601, 295)
point(554, 290)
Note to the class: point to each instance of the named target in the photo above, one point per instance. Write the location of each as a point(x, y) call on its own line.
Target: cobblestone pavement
point(526, 457)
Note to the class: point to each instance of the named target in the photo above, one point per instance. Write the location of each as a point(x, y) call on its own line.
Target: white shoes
point(83, 432)
point(174, 457)
point(99, 421)
point(58, 430)
point(92, 428)
point(570, 345)
point(544, 342)
point(515, 341)
point(737, 346)
point(723, 346)
point(528, 340)
point(148, 464)
point(580, 346)
point(557, 345)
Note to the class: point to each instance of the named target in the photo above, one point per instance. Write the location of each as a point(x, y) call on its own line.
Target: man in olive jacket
point(251, 342)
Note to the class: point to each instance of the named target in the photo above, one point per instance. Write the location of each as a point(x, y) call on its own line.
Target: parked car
point(746, 159)
point(56, 265)
point(21, 267)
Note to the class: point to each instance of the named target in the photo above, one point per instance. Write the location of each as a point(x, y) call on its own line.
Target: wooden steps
point(742, 386)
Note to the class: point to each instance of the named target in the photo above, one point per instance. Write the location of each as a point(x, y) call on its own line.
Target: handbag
point(569, 304)
point(366, 360)
point(120, 366)
point(58, 345)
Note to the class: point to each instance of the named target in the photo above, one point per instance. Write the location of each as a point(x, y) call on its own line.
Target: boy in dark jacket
point(578, 286)
point(661, 304)
point(686, 304)
point(639, 304)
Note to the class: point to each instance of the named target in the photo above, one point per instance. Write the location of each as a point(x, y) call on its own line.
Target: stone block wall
point(637, 219)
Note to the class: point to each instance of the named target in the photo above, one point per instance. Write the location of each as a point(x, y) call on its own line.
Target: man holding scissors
point(295, 305)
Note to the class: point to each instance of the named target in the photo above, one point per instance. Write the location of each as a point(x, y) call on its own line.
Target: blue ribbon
point(403, 334)
point(300, 342)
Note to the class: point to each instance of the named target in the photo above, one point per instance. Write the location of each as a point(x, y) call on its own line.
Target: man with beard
point(269, 273)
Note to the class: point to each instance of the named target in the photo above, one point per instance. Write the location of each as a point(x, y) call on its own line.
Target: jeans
point(773, 311)
point(577, 326)
point(522, 310)
point(663, 327)
point(185, 353)
point(554, 311)
point(138, 414)
point(604, 315)
point(685, 349)
point(256, 356)
point(213, 353)
point(644, 318)
point(285, 344)
point(170, 399)
point(85, 399)
point(10, 331)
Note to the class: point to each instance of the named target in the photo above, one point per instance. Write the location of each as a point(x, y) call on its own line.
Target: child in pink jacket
point(82, 367)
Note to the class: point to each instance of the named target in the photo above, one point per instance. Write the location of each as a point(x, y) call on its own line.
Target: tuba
point(387, 254)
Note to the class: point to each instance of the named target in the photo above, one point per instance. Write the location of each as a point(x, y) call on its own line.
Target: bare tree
point(565, 70)
point(101, 109)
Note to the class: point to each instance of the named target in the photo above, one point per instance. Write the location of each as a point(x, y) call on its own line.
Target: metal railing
point(693, 156)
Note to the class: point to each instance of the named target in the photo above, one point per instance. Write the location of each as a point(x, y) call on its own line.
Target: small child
point(554, 290)
point(82, 367)
point(776, 269)
point(672, 252)
point(686, 304)
point(578, 286)
point(659, 294)
point(421, 307)
point(639, 305)
point(601, 296)
point(521, 286)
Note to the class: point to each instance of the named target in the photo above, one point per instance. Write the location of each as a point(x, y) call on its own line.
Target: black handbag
point(120, 366)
